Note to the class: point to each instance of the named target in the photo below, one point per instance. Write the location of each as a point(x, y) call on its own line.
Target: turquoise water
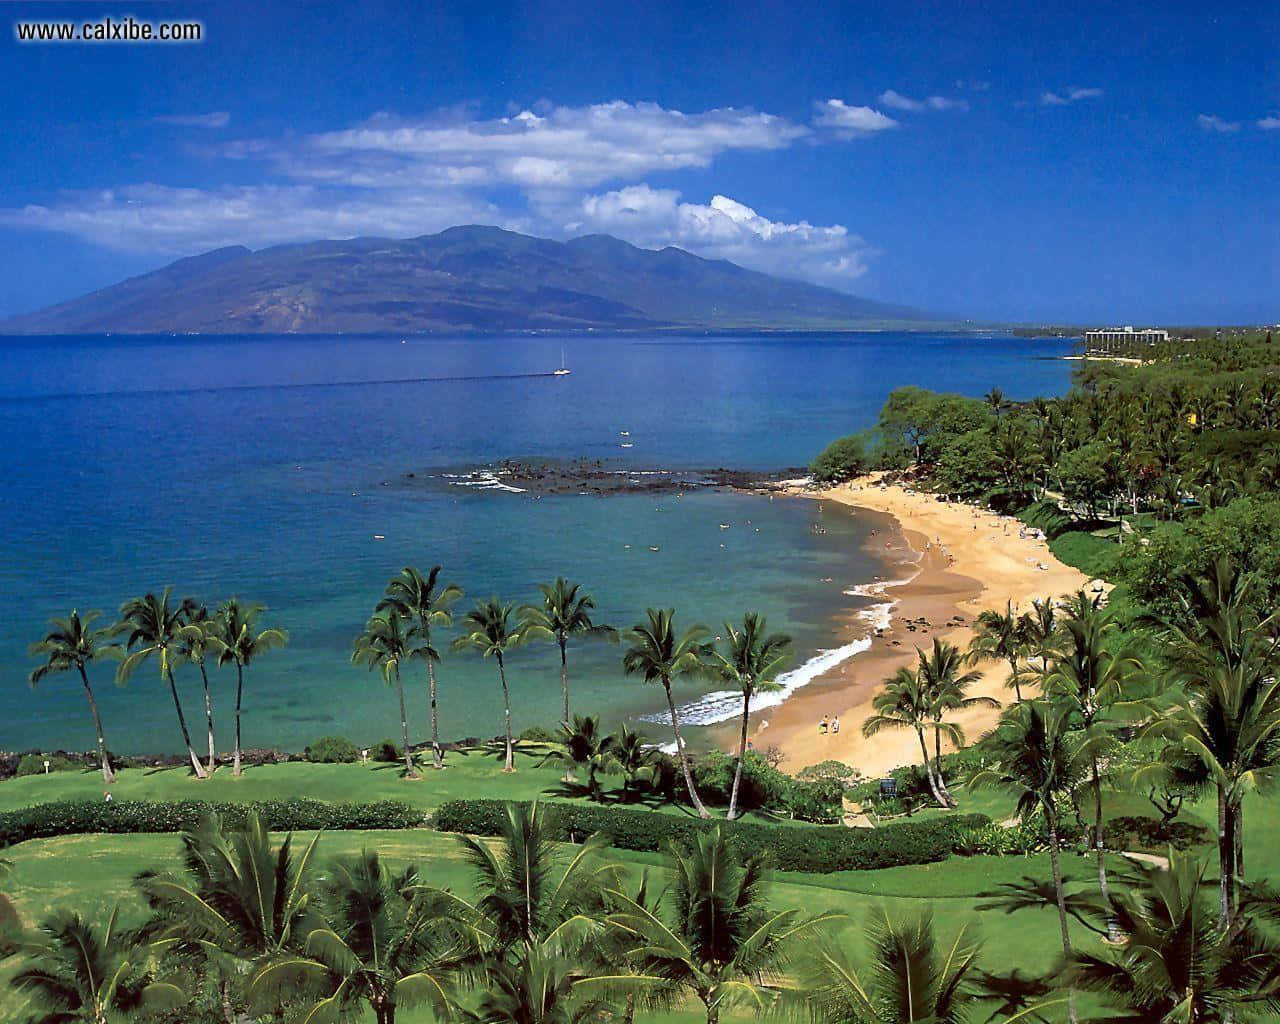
point(266, 466)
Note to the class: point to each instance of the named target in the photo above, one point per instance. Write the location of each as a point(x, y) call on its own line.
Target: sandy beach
point(956, 560)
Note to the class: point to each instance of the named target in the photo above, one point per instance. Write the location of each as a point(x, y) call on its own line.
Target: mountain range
point(469, 278)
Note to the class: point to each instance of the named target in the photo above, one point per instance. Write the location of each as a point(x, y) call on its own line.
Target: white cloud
point(852, 122)
point(1269, 124)
point(563, 147)
point(896, 101)
point(213, 119)
point(723, 228)
point(1062, 99)
point(1214, 123)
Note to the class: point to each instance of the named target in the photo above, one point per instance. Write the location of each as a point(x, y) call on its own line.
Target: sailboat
point(564, 371)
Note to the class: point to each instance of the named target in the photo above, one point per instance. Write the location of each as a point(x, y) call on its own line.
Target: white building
point(1112, 339)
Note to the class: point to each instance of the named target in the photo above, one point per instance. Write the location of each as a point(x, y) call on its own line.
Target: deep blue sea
point(265, 467)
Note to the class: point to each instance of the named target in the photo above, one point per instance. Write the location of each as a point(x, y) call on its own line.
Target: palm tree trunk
point(510, 765)
point(108, 776)
point(951, 802)
point(437, 756)
point(1225, 856)
point(186, 735)
point(1051, 818)
point(409, 772)
point(742, 755)
point(235, 762)
point(1113, 932)
point(564, 677)
point(684, 760)
point(1227, 853)
point(1013, 674)
point(928, 771)
point(208, 715)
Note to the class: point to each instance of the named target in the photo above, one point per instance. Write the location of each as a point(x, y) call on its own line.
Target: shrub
point(762, 785)
point(332, 750)
point(33, 764)
point(72, 817)
point(843, 459)
point(538, 734)
point(386, 752)
point(1134, 832)
point(821, 800)
point(823, 771)
point(791, 847)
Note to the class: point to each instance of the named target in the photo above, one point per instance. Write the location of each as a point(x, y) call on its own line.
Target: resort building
point(1116, 339)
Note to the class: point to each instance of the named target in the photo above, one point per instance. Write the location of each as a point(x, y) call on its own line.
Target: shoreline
point(957, 561)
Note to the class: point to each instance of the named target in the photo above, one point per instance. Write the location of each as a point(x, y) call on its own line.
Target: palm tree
point(1034, 755)
point(995, 401)
point(237, 640)
point(240, 902)
point(540, 985)
point(194, 645)
point(657, 655)
point(1094, 675)
point(752, 662)
point(942, 675)
point(904, 703)
point(997, 637)
point(1174, 963)
point(81, 972)
point(73, 642)
point(423, 598)
point(721, 942)
point(906, 978)
point(388, 941)
point(385, 644)
point(583, 742)
point(155, 628)
point(492, 634)
point(563, 613)
point(1040, 632)
point(633, 753)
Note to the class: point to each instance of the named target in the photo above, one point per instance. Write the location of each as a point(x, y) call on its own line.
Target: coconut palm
point(1041, 631)
point(721, 941)
point(633, 753)
point(583, 742)
point(239, 902)
point(154, 627)
point(942, 675)
point(1174, 963)
point(491, 632)
point(82, 972)
point(387, 642)
point(388, 941)
point(73, 642)
point(658, 655)
point(906, 977)
point(540, 985)
point(997, 637)
point(904, 703)
point(238, 641)
point(564, 612)
point(752, 661)
point(1036, 756)
point(194, 645)
point(427, 601)
point(1095, 675)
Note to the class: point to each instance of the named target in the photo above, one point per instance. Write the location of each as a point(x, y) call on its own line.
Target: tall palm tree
point(386, 644)
point(905, 978)
point(83, 972)
point(491, 632)
point(997, 637)
point(658, 655)
point(564, 612)
point(154, 628)
point(1095, 676)
point(752, 661)
point(238, 641)
point(426, 600)
point(942, 674)
point(194, 645)
point(904, 703)
point(721, 942)
point(1173, 962)
point(1041, 632)
point(387, 941)
point(1035, 756)
point(240, 902)
point(73, 642)
point(583, 742)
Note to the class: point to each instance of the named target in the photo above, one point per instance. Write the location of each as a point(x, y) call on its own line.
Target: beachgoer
point(835, 724)
point(106, 797)
point(822, 726)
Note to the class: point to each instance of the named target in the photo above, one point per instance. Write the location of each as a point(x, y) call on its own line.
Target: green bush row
point(815, 849)
point(72, 817)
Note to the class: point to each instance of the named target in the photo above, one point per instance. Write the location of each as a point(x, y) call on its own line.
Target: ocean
point(274, 468)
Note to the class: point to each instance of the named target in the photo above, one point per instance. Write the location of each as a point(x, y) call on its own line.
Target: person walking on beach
point(835, 724)
point(822, 726)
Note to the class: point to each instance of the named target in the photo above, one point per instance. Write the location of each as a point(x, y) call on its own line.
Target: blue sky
point(1094, 162)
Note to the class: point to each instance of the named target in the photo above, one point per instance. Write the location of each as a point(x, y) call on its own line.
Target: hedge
point(72, 817)
point(810, 848)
